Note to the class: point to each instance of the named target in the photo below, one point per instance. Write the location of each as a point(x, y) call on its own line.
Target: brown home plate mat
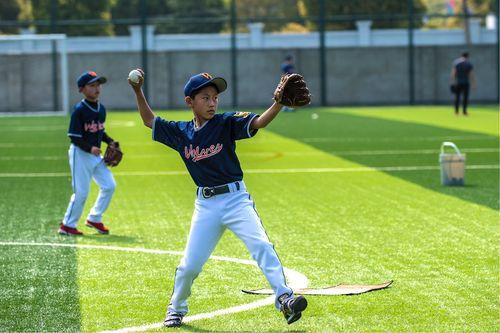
point(340, 289)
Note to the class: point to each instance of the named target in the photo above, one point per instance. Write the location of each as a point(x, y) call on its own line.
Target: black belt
point(208, 192)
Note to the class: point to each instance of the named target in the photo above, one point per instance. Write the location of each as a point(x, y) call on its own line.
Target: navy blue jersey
point(287, 68)
point(209, 152)
point(87, 123)
point(463, 68)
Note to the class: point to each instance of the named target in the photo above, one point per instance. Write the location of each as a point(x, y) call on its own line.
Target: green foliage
point(203, 16)
point(475, 6)
point(483, 6)
point(131, 9)
point(174, 16)
point(9, 11)
point(74, 10)
point(279, 13)
point(348, 11)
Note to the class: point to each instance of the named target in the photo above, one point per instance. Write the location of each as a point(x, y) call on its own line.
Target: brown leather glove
point(113, 154)
point(292, 91)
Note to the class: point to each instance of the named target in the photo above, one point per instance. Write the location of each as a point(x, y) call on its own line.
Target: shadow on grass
point(363, 139)
point(39, 284)
point(39, 291)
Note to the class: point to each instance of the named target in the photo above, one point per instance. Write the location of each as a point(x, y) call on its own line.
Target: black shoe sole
point(172, 323)
point(299, 305)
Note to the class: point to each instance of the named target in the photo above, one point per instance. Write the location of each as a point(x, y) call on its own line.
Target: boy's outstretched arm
point(147, 114)
point(266, 117)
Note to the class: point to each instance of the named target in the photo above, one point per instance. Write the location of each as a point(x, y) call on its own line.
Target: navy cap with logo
point(88, 78)
point(198, 81)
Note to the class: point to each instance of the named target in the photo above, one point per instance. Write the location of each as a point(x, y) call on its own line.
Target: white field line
point(32, 114)
point(48, 128)
point(295, 280)
point(278, 153)
point(484, 137)
point(59, 128)
point(257, 171)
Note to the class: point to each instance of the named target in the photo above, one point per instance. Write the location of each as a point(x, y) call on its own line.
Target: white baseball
point(134, 75)
point(314, 116)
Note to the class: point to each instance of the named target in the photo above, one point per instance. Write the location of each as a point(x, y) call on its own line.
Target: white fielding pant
point(236, 211)
point(85, 166)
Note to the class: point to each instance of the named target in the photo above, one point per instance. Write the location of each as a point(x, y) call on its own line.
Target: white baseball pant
point(236, 211)
point(85, 166)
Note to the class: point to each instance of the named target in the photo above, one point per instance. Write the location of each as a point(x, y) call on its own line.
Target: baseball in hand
point(134, 76)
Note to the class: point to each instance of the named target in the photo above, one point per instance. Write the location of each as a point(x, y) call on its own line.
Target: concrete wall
point(355, 76)
point(29, 42)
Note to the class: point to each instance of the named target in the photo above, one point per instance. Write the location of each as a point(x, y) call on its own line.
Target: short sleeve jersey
point(209, 152)
point(87, 123)
point(463, 68)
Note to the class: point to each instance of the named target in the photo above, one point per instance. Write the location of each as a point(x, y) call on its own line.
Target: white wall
point(364, 36)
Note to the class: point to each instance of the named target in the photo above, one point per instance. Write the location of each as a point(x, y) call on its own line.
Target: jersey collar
point(196, 129)
point(90, 107)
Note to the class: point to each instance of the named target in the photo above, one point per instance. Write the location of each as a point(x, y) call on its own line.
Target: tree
point(483, 6)
point(131, 9)
point(9, 11)
point(198, 16)
point(174, 16)
point(448, 7)
point(275, 14)
point(73, 10)
point(342, 14)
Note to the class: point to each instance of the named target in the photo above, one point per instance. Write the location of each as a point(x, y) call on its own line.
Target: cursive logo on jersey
point(197, 154)
point(93, 127)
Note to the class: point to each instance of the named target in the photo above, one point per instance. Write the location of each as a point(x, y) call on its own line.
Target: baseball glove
point(113, 154)
point(292, 91)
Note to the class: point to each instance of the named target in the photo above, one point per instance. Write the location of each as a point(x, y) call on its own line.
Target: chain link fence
point(351, 52)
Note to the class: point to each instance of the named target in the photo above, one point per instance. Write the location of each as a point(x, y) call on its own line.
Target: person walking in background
point(287, 67)
point(461, 79)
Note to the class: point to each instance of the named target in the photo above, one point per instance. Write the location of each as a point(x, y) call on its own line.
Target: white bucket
point(452, 166)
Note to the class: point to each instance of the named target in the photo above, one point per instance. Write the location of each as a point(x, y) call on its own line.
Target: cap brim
point(218, 82)
point(100, 79)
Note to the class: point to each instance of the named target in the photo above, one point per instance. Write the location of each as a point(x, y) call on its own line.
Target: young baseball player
point(86, 132)
point(207, 146)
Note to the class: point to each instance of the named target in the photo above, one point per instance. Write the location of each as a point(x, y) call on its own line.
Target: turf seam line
point(258, 171)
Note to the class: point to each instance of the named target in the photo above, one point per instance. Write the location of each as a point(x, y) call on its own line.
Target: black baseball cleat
point(173, 319)
point(292, 307)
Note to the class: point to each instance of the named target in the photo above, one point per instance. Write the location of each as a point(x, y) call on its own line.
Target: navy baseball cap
point(90, 77)
point(201, 80)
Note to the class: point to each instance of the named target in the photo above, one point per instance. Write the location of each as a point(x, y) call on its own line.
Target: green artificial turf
point(327, 220)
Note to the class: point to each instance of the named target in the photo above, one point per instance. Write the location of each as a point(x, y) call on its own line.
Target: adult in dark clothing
point(461, 79)
point(287, 67)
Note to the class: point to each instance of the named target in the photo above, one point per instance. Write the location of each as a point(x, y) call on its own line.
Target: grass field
point(353, 196)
